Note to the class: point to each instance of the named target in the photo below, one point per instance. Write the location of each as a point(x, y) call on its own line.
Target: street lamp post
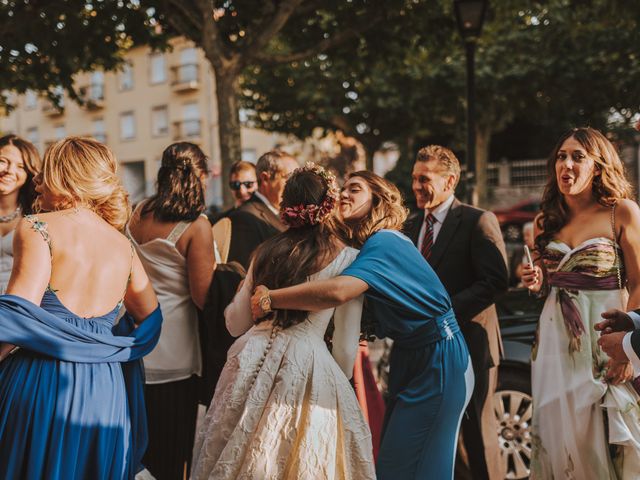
point(470, 17)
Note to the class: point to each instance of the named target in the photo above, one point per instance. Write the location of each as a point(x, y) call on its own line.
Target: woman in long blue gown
point(430, 376)
point(71, 401)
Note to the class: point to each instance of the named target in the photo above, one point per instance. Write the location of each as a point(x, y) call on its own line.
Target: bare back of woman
point(76, 376)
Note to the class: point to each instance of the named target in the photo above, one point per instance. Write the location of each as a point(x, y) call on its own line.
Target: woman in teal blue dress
point(430, 377)
point(71, 401)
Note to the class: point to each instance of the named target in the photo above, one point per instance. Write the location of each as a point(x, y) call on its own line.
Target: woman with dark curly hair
point(586, 419)
point(174, 240)
point(283, 407)
point(430, 376)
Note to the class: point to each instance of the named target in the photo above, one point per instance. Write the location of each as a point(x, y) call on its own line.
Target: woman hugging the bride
point(283, 407)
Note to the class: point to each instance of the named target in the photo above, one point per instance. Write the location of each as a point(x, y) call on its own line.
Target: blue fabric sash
point(29, 326)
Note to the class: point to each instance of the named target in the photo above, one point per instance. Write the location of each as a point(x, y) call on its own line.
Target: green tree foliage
point(43, 44)
point(547, 65)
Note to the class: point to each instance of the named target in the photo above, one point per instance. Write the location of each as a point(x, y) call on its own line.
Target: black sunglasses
point(236, 185)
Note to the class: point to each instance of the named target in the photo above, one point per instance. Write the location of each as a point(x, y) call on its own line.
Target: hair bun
point(312, 214)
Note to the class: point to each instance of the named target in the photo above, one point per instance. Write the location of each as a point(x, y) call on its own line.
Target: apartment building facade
point(157, 98)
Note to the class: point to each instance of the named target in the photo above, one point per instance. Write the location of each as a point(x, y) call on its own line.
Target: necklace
point(11, 216)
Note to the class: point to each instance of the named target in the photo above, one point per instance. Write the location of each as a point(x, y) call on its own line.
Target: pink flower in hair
point(312, 214)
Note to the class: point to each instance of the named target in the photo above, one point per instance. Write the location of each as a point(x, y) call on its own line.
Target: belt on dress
point(438, 328)
point(568, 282)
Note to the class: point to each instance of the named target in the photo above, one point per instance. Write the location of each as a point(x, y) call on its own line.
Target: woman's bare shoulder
point(627, 209)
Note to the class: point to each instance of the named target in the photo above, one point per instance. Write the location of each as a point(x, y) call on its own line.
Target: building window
point(127, 126)
point(158, 72)
point(133, 180)
point(188, 71)
point(125, 78)
point(191, 120)
point(159, 121)
point(59, 132)
point(99, 132)
point(33, 136)
point(96, 91)
point(30, 100)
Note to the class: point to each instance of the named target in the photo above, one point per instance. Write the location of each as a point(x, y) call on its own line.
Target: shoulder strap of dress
point(126, 287)
point(177, 231)
point(613, 224)
point(40, 227)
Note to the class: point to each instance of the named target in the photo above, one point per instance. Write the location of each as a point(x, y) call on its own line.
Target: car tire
point(513, 410)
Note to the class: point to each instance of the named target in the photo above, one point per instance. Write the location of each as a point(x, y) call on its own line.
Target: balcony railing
point(93, 95)
point(187, 130)
point(185, 78)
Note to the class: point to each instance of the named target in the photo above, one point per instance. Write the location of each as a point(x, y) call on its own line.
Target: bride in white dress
point(283, 407)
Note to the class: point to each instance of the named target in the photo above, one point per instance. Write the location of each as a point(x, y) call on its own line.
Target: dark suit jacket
point(215, 340)
point(251, 224)
point(470, 259)
point(635, 338)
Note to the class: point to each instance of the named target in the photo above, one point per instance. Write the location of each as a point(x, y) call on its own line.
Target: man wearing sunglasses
point(258, 218)
point(242, 181)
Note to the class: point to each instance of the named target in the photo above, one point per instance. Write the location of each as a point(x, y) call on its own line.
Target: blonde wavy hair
point(609, 186)
point(80, 171)
point(387, 210)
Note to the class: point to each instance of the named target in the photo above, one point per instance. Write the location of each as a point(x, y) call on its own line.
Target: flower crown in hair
point(312, 214)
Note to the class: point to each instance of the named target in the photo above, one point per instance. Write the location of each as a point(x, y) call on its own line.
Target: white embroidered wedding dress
point(283, 407)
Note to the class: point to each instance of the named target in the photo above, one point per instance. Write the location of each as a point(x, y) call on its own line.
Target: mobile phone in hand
point(528, 255)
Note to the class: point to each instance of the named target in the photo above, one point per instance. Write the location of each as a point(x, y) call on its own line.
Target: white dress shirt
point(440, 213)
point(266, 201)
point(626, 344)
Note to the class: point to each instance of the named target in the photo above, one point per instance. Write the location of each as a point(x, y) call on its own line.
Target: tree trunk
point(483, 141)
point(228, 126)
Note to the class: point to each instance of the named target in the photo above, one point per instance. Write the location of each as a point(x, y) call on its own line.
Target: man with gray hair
point(258, 219)
point(464, 246)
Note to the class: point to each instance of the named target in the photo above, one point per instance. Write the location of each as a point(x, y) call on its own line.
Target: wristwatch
point(265, 303)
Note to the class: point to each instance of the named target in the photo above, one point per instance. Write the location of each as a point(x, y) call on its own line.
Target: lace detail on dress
point(283, 408)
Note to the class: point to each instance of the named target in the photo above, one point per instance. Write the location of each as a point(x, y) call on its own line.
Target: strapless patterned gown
point(583, 428)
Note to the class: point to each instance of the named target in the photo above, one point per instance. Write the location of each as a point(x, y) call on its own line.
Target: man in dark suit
point(620, 337)
point(464, 246)
point(258, 218)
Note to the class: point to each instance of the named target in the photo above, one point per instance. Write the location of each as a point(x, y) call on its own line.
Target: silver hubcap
point(513, 413)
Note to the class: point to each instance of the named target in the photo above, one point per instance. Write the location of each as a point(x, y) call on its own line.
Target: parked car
point(518, 314)
point(513, 218)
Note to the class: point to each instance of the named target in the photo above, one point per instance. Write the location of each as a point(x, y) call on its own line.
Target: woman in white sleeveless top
point(175, 244)
point(19, 163)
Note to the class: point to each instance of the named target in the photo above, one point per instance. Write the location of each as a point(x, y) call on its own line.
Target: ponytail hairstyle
point(32, 166)
point(180, 189)
point(80, 171)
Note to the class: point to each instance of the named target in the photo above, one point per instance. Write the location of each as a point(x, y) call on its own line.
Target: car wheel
point(512, 233)
point(513, 408)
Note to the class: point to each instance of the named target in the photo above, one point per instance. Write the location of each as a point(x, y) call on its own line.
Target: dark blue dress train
point(71, 399)
point(430, 375)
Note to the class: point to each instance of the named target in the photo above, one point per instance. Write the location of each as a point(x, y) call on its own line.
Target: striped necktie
point(427, 242)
